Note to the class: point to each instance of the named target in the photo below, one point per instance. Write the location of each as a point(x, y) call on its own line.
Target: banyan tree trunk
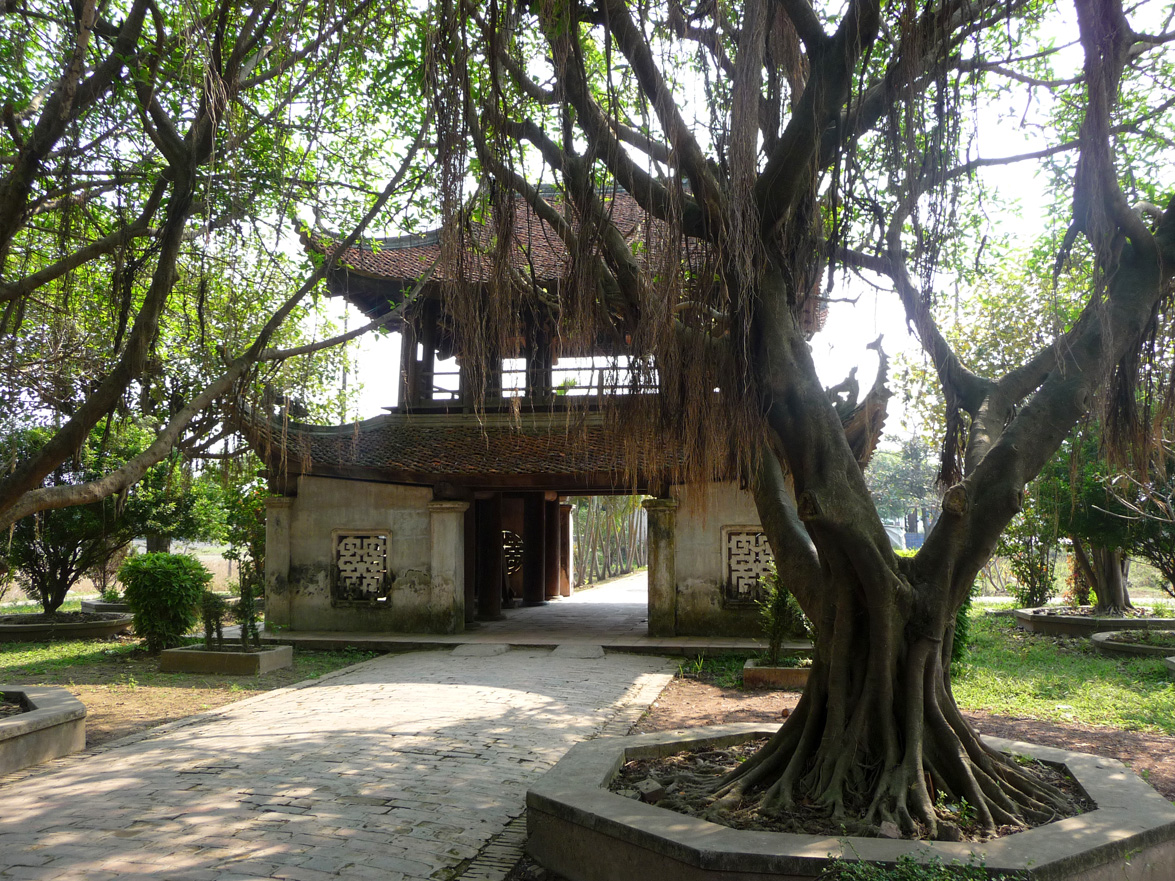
point(877, 736)
point(1105, 569)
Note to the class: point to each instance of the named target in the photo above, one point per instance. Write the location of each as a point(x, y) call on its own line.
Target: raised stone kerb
point(579, 829)
point(53, 726)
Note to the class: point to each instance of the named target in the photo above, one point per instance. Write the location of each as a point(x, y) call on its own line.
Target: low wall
point(580, 830)
point(54, 725)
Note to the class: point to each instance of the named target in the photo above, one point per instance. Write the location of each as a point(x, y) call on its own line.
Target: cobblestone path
point(404, 767)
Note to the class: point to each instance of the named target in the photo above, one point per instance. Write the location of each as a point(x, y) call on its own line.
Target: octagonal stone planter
point(1107, 644)
point(42, 631)
point(756, 675)
point(197, 659)
point(577, 828)
point(1045, 620)
point(52, 725)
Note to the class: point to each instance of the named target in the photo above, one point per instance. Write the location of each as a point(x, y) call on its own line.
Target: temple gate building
point(457, 500)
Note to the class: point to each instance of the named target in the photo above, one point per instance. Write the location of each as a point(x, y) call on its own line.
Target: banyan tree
point(780, 146)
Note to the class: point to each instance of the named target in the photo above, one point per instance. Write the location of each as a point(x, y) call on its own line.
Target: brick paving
point(410, 766)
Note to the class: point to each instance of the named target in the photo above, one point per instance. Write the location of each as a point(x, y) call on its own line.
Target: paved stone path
point(404, 767)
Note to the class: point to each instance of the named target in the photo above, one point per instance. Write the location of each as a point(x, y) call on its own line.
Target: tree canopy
point(156, 161)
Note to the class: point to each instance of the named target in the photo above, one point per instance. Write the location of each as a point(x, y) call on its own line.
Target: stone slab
point(580, 830)
point(54, 726)
point(196, 659)
point(571, 650)
point(480, 651)
point(1169, 663)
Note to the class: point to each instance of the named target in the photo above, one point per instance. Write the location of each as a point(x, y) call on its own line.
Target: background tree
point(53, 550)
point(151, 160)
point(772, 143)
point(904, 484)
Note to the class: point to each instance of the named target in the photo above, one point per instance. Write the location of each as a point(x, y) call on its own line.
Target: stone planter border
point(578, 829)
point(53, 726)
point(100, 606)
point(1105, 643)
point(1169, 663)
point(1083, 625)
point(197, 659)
point(757, 675)
point(67, 630)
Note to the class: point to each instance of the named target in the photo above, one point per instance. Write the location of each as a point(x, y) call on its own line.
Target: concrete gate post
point(279, 597)
point(662, 566)
point(447, 529)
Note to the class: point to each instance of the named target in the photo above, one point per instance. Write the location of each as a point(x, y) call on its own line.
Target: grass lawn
point(1015, 673)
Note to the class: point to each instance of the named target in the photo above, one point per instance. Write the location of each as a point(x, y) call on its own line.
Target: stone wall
point(706, 516)
point(353, 555)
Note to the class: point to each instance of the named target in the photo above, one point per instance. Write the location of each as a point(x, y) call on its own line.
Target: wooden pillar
point(489, 558)
point(565, 555)
point(409, 366)
point(662, 566)
point(534, 540)
point(553, 555)
point(428, 340)
point(539, 359)
point(471, 554)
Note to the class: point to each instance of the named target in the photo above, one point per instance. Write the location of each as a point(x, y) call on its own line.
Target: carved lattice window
point(512, 551)
point(748, 560)
point(361, 573)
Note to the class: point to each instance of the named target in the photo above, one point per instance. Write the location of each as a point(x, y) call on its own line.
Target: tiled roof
point(539, 250)
point(430, 449)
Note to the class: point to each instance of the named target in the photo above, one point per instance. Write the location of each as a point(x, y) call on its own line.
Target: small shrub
point(247, 615)
point(163, 591)
point(213, 612)
point(1030, 546)
point(781, 616)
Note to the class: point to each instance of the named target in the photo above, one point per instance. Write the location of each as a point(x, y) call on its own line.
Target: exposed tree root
point(859, 756)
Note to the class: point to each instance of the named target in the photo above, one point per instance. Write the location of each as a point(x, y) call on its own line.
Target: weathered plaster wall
point(701, 513)
point(323, 505)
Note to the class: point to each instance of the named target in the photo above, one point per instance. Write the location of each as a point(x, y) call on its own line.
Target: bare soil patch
point(125, 693)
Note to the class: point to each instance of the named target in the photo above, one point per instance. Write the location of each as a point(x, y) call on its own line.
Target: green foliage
point(907, 868)
point(245, 530)
point(904, 482)
point(247, 615)
point(164, 592)
point(1030, 546)
point(781, 616)
point(724, 670)
point(213, 612)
